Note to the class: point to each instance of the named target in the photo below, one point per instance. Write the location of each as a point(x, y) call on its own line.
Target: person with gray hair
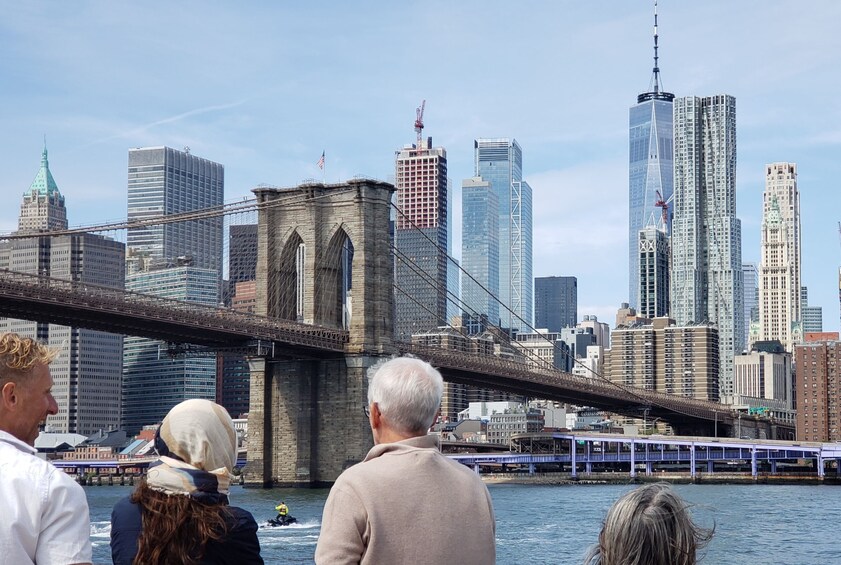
point(650, 525)
point(406, 502)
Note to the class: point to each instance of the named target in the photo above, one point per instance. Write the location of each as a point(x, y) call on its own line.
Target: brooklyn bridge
point(320, 321)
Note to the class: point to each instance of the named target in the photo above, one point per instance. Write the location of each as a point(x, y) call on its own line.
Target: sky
point(265, 87)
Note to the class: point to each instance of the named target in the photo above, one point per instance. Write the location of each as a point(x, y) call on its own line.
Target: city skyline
point(96, 88)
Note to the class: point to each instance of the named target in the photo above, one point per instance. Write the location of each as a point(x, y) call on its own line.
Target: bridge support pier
point(308, 418)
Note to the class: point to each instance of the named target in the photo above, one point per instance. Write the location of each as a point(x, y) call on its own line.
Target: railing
point(452, 359)
point(27, 287)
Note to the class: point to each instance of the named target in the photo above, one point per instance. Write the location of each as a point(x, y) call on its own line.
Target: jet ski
point(283, 521)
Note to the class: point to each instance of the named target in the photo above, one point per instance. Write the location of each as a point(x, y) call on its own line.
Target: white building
point(706, 277)
point(779, 270)
point(592, 364)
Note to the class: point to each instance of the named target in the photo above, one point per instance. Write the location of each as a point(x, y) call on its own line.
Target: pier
point(587, 455)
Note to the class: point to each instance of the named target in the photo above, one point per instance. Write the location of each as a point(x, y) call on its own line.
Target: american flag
point(321, 161)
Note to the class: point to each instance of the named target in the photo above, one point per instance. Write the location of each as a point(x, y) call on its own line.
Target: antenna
point(655, 88)
point(656, 69)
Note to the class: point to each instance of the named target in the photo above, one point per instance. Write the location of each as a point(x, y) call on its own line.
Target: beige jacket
point(407, 503)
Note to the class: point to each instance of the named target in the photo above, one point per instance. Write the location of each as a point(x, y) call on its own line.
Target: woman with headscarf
point(179, 513)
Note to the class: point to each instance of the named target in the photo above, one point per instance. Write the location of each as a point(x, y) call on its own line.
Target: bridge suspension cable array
point(643, 396)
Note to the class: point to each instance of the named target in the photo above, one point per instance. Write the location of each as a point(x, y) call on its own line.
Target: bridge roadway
point(79, 304)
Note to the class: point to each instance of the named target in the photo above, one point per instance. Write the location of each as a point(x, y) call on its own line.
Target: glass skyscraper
point(152, 381)
point(166, 181)
point(650, 160)
point(479, 253)
point(500, 163)
point(179, 260)
point(750, 286)
point(555, 303)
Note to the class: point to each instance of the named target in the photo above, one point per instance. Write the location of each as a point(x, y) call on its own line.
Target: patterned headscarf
point(197, 445)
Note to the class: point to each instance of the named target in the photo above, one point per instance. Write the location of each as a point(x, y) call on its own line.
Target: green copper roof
point(44, 182)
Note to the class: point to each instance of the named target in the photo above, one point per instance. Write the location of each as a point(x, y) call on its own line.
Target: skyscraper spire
point(655, 89)
point(656, 72)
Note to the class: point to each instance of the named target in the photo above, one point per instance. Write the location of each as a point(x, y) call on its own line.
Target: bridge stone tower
point(324, 258)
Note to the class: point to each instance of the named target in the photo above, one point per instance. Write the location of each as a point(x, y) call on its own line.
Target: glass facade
point(154, 382)
point(479, 251)
point(750, 286)
point(651, 155)
point(555, 303)
point(165, 181)
point(500, 163)
point(179, 260)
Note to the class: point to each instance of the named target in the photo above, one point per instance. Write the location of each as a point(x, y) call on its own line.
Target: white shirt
point(44, 516)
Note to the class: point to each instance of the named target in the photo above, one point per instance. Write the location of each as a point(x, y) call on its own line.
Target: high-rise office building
point(500, 162)
point(420, 240)
point(163, 181)
point(479, 254)
point(153, 382)
point(779, 270)
point(242, 253)
point(87, 372)
point(706, 277)
point(653, 261)
point(750, 287)
point(179, 260)
point(812, 315)
point(650, 169)
point(555, 303)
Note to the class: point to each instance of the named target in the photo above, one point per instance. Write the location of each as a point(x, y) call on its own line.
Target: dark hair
point(649, 526)
point(176, 528)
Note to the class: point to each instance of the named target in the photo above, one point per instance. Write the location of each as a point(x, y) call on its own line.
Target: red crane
point(419, 122)
point(664, 204)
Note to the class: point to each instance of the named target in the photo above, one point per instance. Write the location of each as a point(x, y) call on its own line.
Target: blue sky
point(265, 87)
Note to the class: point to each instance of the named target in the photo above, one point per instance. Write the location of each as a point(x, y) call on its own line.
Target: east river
point(795, 525)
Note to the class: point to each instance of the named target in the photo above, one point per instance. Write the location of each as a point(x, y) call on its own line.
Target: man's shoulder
point(24, 463)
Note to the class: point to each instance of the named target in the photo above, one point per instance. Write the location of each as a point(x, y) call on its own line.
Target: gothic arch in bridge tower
point(333, 281)
point(325, 251)
point(289, 284)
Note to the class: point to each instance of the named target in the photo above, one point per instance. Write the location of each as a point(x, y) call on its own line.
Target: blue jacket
point(239, 547)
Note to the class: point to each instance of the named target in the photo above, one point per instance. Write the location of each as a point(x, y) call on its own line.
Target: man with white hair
point(406, 503)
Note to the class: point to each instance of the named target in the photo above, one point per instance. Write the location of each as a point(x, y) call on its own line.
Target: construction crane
point(419, 123)
point(664, 204)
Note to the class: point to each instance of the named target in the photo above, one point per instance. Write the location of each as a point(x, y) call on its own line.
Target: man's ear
point(376, 415)
point(9, 394)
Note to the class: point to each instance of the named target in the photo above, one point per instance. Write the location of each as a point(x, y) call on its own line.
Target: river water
point(795, 525)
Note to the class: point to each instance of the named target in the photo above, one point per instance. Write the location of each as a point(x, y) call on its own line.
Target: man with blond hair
point(45, 513)
point(406, 503)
